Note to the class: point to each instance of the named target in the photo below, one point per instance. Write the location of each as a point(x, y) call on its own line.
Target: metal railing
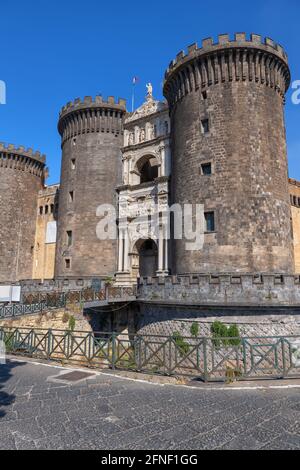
point(39, 302)
point(18, 310)
point(205, 358)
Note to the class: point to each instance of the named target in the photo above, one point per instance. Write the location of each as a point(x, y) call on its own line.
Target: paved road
point(108, 412)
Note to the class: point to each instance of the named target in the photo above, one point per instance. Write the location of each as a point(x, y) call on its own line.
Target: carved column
point(121, 251)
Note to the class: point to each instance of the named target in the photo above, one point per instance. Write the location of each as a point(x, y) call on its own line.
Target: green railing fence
point(205, 358)
point(39, 302)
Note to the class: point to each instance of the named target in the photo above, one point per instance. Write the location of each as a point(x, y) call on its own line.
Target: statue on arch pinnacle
point(149, 91)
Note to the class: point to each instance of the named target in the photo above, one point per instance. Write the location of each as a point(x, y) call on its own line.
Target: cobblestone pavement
point(107, 412)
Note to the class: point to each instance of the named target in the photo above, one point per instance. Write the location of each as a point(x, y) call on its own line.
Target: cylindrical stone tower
point(229, 153)
point(21, 177)
point(92, 138)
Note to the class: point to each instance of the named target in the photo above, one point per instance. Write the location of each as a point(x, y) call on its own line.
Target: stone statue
point(142, 135)
point(149, 89)
point(131, 138)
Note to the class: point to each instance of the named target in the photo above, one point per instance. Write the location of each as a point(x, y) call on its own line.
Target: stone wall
point(92, 137)
point(159, 319)
point(223, 289)
point(60, 285)
point(295, 202)
point(44, 247)
point(56, 319)
point(226, 104)
point(21, 178)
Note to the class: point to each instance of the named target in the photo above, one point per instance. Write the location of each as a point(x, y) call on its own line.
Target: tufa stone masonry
point(217, 140)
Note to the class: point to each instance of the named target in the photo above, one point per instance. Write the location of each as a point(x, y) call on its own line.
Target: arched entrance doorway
point(147, 168)
point(147, 258)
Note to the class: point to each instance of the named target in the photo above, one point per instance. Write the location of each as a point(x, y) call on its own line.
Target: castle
point(218, 140)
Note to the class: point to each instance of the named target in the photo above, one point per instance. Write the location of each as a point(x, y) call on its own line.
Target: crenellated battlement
point(223, 42)
point(294, 182)
point(90, 102)
point(91, 115)
point(222, 289)
point(255, 59)
point(11, 149)
point(17, 158)
point(223, 278)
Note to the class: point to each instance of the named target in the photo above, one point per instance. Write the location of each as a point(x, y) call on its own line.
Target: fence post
point(138, 352)
point(205, 368)
point(49, 343)
point(113, 351)
point(285, 371)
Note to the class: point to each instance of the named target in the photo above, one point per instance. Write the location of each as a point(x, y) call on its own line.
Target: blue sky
point(53, 52)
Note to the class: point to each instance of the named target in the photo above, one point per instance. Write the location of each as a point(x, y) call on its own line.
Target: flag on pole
point(135, 80)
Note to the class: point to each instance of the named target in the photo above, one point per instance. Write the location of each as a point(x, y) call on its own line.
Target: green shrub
point(109, 281)
point(182, 345)
point(72, 323)
point(194, 329)
point(234, 334)
point(220, 333)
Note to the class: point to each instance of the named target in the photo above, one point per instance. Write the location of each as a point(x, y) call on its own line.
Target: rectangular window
point(68, 263)
point(209, 221)
point(69, 237)
point(71, 196)
point(206, 169)
point(73, 164)
point(205, 126)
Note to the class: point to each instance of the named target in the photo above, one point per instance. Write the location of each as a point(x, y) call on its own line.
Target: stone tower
point(92, 137)
point(21, 178)
point(226, 103)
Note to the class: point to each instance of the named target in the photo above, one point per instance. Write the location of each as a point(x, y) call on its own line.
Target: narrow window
point(52, 208)
point(206, 169)
point(205, 126)
point(69, 237)
point(71, 196)
point(68, 263)
point(209, 221)
point(46, 209)
point(204, 95)
point(73, 164)
point(41, 210)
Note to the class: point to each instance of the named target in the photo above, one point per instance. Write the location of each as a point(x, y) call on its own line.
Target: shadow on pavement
point(6, 398)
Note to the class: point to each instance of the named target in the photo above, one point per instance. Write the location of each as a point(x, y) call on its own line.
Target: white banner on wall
point(51, 232)
point(10, 293)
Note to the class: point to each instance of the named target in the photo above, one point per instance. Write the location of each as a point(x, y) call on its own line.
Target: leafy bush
point(234, 334)
point(221, 332)
point(182, 345)
point(109, 281)
point(194, 329)
point(72, 323)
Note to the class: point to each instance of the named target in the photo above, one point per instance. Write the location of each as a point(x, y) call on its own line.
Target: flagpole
point(133, 85)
